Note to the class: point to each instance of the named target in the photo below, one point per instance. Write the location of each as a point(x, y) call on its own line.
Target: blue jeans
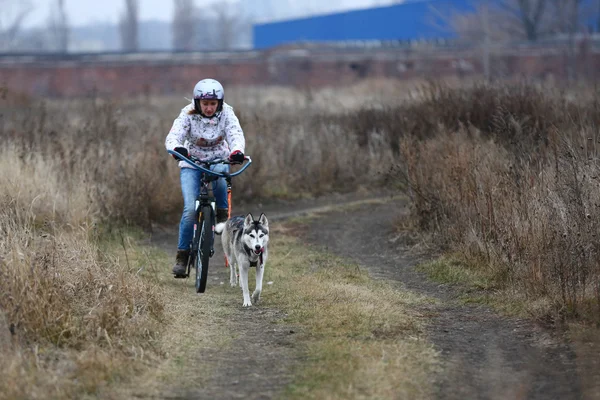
point(190, 188)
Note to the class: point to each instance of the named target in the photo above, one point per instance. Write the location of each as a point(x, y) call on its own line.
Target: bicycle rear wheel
point(204, 249)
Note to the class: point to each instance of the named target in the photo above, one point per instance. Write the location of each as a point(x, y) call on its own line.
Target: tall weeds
point(513, 184)
point(72, 318)
point(112, 152)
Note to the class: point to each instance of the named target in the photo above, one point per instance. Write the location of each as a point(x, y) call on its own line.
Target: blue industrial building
point(411, 20)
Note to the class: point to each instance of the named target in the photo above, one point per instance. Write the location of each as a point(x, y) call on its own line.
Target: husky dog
point(245, 245)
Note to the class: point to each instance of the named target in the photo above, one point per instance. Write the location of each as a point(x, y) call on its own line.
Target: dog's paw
point(233, 283)
point(219, 228)
point(255, 297)
point(247, 303)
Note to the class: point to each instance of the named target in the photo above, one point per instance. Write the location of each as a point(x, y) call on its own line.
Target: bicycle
point(202, 244)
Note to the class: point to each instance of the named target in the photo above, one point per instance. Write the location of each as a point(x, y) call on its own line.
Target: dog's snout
point(257, 247)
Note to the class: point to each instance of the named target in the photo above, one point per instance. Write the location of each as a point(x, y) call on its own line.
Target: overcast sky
point(82, 12)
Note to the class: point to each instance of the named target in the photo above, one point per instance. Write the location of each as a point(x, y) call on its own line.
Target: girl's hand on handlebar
point(237, 157)
point(181, 150)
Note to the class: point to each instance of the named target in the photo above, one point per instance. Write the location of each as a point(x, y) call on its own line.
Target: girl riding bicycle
point(207, 129)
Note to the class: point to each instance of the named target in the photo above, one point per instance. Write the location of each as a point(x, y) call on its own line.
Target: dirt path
point(259, 362)
point(486, 356)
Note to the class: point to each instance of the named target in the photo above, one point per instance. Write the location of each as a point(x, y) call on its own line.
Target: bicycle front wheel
point(204, 249)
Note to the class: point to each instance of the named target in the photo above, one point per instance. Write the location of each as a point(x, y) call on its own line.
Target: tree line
point(218, 27)
point(527, 20)
point(193, 28)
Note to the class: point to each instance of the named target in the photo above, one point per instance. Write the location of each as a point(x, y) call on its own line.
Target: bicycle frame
point(203, 244)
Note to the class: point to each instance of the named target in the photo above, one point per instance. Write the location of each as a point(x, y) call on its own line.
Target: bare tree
point(476, 30)
point(477, 26)
point(598, 16)
point(531, 13)
point(512, 19)
point(12, 15)
point(231, 28)
point(566, 16)
point(229, 23)
point(183, 25)
point(205, 37)
point(59, 28)
point(498, 22)
point(128, 26)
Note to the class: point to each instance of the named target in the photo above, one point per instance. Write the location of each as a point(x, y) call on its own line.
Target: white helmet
point(208, 89)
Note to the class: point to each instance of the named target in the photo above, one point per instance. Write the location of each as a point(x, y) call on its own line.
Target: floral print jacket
point(206, 138)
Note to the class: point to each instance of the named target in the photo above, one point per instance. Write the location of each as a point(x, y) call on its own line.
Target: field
point(502, 180)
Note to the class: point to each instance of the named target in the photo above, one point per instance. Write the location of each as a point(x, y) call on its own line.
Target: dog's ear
point(264, 221)
point(249, 219)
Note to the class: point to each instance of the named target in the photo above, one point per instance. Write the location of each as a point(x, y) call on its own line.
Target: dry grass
point(363, 337)
point(76, 172)
point(512, 184)
point(77, 320)
point(195, 324)
point(504, 175)
point(73, 317)
point(303, 148)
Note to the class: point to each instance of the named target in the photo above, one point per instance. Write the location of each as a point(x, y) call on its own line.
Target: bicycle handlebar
point(194, 163)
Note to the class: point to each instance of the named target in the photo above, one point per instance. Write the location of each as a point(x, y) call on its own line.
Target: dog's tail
point(219, 228)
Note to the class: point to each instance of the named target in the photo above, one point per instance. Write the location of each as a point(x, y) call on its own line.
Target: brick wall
point(169, 73)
